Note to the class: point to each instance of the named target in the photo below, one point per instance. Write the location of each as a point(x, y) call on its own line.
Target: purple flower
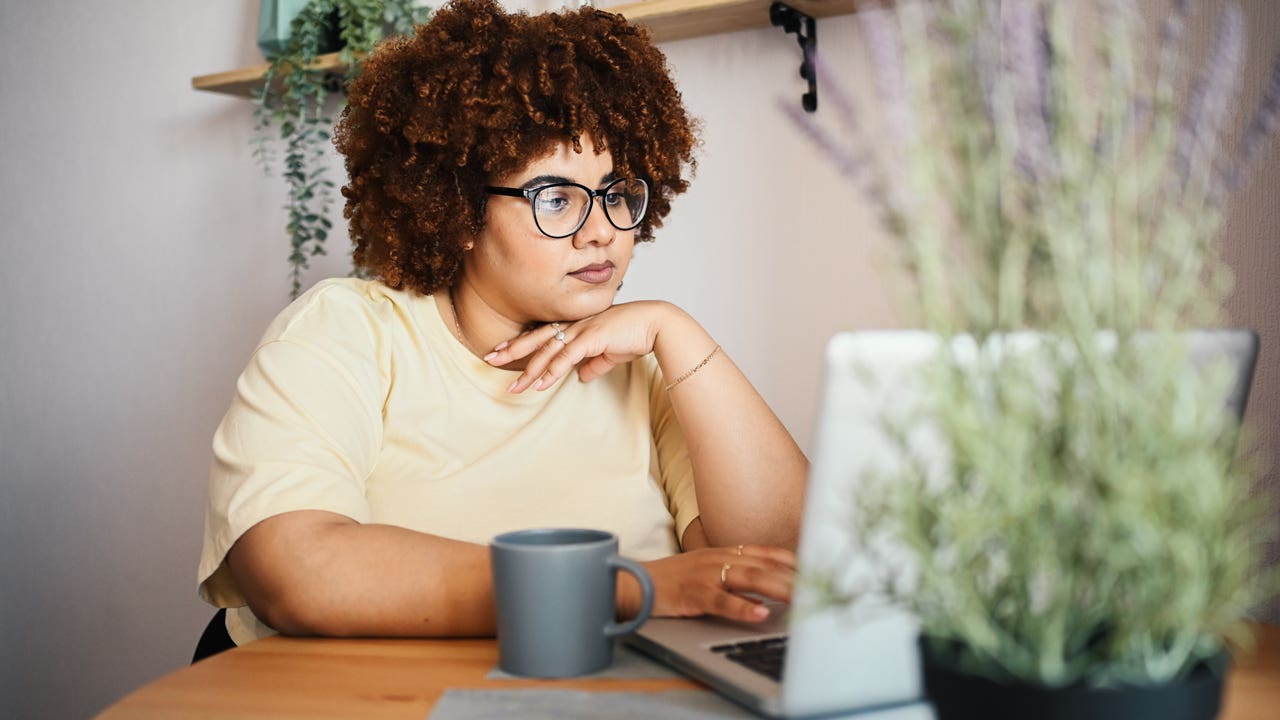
point(1260, 129)
point(1174, 23)
point(1211, 98)
point(886, 59)
point(984, 47)
point(1027, 64)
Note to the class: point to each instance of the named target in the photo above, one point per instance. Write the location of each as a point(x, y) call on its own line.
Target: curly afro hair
point(479, 93)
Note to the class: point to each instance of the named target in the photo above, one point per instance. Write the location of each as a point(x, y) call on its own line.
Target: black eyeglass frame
point(530, 193)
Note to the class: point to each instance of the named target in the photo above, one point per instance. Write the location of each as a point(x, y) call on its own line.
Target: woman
point(502, 168)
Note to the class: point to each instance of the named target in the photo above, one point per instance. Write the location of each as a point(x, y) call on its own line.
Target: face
point(528, 277)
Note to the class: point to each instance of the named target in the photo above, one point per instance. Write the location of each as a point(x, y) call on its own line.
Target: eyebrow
point(552, 179)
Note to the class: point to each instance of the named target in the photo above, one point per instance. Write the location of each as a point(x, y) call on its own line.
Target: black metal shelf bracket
point(806, 30)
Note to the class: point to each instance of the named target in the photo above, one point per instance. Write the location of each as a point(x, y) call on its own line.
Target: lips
point(594, 274)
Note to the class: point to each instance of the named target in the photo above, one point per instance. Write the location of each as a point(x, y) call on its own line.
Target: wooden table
point(292, 677)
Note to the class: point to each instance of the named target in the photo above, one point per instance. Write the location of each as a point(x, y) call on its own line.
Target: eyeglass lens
point(560, 210)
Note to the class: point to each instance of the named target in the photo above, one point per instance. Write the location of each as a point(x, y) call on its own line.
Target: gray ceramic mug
point(555, 594)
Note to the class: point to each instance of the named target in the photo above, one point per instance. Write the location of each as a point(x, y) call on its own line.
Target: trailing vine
point(292, 98)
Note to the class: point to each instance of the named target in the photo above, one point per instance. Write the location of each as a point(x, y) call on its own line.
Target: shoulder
point(344, 307)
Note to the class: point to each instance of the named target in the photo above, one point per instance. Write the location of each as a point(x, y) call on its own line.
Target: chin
point(592, 303)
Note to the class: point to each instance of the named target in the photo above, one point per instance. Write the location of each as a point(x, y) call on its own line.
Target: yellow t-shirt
point(360, 401)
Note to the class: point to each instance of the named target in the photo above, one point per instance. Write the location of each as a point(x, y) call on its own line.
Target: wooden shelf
point(665, 19)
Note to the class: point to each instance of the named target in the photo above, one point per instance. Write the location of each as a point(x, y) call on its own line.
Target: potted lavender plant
point(1091, 547)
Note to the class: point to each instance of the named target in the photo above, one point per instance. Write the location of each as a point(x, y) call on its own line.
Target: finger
point(768, 582)
point(553, 362)
point(522, 345)
point(532, 373)
point(736, 607)
point(782, 556)
point(577, 349)
point(597, 366)
point(585, 349)
point(536, 361)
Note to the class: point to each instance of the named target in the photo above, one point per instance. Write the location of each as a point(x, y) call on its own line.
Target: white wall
point(137, 274)
point(143, 255)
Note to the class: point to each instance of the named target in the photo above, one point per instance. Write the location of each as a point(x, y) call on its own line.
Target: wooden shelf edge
point(665, 20)
point(682, 19)
point(243, 81)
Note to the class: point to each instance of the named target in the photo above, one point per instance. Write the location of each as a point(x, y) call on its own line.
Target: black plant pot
point(959, 696)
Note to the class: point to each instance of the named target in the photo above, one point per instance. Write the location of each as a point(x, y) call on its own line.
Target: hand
point(595, 345)
point(688, 584)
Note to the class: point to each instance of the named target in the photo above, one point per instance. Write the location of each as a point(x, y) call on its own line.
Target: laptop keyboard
point(764, 656)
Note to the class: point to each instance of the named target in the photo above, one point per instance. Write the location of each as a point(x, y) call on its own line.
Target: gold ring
point(739, 549)
point(724, 573)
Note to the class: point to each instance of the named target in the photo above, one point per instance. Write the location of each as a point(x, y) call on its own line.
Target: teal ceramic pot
point(960, 696)
point(274, 18)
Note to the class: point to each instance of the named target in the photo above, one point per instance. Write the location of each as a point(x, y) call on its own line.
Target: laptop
point(861, 658)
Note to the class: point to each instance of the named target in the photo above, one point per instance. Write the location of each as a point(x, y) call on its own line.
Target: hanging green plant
point(293, 96)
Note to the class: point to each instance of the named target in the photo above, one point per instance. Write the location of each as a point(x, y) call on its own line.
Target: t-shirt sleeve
point(303, 430)
point(674, 465)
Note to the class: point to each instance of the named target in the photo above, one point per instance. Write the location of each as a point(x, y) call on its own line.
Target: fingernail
point(760, 611)
point(501, 345)
point(491, 356)
point(512, 386)
point(538, 385)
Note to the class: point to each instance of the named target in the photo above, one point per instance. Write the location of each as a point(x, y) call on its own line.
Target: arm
point(317, 572)
point(312, 572)
point(749, 472)
point(287, 486)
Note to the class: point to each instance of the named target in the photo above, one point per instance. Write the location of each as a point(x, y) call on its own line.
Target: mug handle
point(641, 575)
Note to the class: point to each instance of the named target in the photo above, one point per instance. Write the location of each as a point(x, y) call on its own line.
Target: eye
point(552, 201)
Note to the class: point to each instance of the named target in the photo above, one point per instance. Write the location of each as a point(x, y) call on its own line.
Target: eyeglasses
point(561, 209)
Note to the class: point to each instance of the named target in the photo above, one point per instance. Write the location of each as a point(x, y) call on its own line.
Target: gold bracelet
point(695, 368)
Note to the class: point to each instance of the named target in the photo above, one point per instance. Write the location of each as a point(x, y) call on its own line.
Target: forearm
point(749, 471)
point(319, 574)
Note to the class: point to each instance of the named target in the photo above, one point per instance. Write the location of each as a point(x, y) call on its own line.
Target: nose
point(597, 230)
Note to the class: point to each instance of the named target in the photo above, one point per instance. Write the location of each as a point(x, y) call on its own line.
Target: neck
point(457, 322)
point(476, 324)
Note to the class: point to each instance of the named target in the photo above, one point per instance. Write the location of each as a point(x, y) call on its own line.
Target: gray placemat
point(627, 665)
point(536, 704)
